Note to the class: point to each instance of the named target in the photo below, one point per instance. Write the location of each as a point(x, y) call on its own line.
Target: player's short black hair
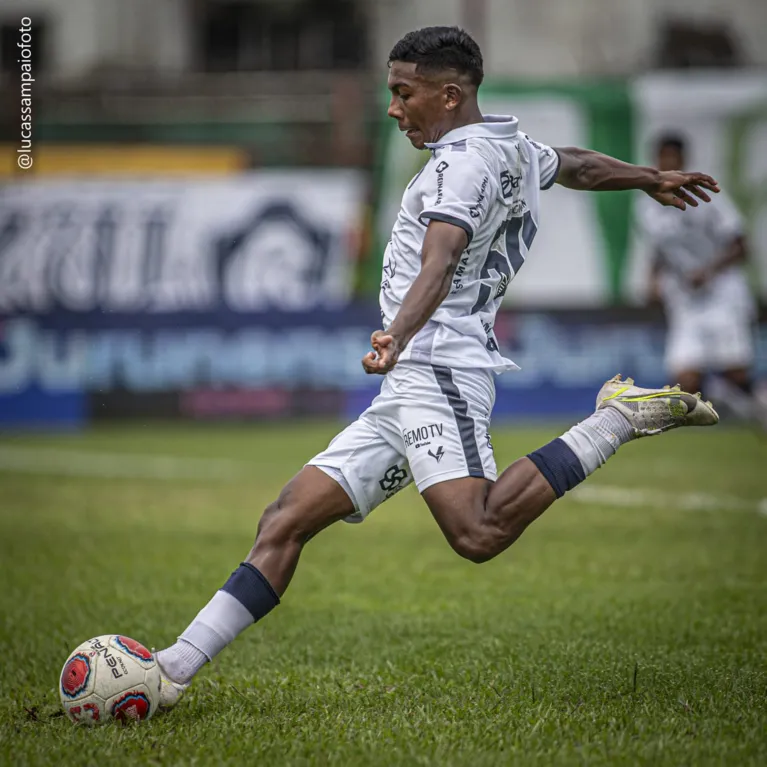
point(671, 141)
point(434, 49)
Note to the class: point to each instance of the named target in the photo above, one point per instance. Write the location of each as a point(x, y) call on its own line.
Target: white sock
point(216, 626)
point(598, 438)
point(181, 661)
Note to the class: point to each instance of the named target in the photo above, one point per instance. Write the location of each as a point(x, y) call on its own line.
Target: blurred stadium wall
point(214, 181)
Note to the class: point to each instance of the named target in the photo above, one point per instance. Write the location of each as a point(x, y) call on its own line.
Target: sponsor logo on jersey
point(389, 270)
point(475, 210)
point(438, 455)
point(502, 285)
point(422, 435)
point(509, 183)
point(74, 677)
point(440, 180)
point(392, 480)
point(460, 271)
point(545, 150)
point(390, 267)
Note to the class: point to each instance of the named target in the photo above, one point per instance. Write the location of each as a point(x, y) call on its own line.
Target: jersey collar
point(495, 126)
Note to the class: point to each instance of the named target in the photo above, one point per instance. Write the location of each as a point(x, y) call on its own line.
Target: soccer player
point(464, 230)
point(697, 274)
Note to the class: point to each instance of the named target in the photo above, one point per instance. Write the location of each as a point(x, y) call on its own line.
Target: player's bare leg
point(309, 503)
point(481, 519)
point(689, 380)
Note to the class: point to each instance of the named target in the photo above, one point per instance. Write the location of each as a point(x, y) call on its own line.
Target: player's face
point(670, 158)
point(419, 104)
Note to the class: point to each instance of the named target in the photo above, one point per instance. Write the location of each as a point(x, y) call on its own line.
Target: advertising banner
point(274, 240)
point(221, 364)
point(68, 367)
point(117, 285)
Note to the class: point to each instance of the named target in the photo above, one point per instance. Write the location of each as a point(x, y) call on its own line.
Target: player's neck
point(469, 115)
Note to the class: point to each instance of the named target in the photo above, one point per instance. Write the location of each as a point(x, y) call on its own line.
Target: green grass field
point(627, 626)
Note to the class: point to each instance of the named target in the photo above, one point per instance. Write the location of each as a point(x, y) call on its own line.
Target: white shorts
point(714, 340)
point(429, 424)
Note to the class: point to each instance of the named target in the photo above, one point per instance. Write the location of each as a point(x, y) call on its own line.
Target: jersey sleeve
point(548, 161)
point(459, 189)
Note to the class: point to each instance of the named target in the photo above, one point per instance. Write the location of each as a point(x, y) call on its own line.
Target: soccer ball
point(110, 677)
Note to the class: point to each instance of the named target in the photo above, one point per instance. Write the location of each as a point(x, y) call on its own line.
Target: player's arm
point(595, 172)
point(735, 253)
point(442, 248)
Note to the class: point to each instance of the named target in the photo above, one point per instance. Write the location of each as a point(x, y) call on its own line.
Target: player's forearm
point(735, 254)
point(592, 171)
point(427, 292)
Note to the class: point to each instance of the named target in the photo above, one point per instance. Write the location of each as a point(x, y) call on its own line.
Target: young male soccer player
point(464, 230)
point(698, 276)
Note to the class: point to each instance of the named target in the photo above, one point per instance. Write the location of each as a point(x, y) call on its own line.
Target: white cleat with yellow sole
point(653, 411)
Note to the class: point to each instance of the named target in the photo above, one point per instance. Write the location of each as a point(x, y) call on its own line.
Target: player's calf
point(480, 519)
point(310, 502)
point(689, 380)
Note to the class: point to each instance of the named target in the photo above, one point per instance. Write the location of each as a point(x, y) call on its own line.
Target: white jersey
point(485, 178)
point(688, 240)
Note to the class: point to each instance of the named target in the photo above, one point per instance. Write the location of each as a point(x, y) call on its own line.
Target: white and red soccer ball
point(110, 677)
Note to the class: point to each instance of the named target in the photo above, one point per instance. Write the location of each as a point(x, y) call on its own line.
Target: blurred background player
point(698, 275)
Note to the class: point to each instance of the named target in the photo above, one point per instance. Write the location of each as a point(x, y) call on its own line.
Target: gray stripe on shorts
point(424, 342)
point(462, 418)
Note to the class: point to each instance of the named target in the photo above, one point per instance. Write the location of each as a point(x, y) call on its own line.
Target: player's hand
point(386, 351)
point(679, 189)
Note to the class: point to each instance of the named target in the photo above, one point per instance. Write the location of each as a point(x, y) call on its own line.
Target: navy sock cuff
point(251, 589)
point(559, 465)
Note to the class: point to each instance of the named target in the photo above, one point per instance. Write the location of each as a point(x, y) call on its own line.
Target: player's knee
point(477, 545)
point(277, 524)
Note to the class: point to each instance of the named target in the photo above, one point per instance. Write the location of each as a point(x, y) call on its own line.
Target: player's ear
point(453, 94)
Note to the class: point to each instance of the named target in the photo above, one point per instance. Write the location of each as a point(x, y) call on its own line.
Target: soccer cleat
point(653, 411)
point(170, 692)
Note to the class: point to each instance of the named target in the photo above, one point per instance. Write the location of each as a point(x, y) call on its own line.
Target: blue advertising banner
point(196, 364)
point(66, 367)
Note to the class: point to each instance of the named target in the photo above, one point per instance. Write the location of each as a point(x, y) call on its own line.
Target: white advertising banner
point(282, 240)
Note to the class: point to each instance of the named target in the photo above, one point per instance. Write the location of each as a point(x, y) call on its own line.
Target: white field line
point(27, 460)
point(116, 465)
point(634, 497)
